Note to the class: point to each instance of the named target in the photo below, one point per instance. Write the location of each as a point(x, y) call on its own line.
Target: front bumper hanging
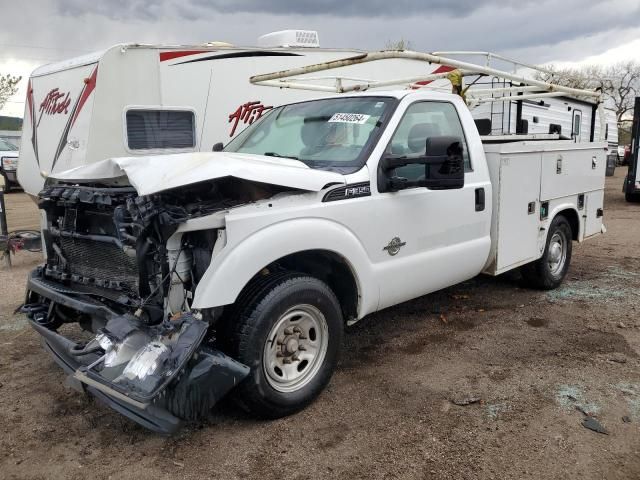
point(156, 375)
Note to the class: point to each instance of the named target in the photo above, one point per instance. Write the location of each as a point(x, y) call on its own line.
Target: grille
point(100, 260)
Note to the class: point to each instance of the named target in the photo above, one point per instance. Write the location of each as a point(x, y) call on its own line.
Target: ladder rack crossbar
point(466, 67)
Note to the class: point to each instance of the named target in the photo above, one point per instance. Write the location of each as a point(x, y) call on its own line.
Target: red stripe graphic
point(164, 56)
point(90, 85)
point(440, 69)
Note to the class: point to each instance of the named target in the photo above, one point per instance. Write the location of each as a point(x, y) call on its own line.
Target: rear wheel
point(632, 197)
point(549, 271)
point(289, 332)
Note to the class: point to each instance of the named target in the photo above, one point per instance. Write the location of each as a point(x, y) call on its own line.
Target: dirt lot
point(534, 359)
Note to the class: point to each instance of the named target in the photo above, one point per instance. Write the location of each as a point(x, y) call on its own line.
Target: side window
point(160, 129)
point(421, 121)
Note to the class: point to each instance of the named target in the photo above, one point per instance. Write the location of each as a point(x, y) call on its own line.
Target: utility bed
point(532, 180)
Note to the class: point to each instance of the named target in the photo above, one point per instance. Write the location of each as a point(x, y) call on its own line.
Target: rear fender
point(555, 210)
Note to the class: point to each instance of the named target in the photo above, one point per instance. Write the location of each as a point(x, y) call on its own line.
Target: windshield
point(335, 133)
point(6, 146)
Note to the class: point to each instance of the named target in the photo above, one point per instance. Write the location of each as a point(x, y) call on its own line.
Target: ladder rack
point(283, 78)
point(521, 87)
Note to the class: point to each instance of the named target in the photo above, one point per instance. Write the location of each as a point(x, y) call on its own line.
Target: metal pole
point(4, 229)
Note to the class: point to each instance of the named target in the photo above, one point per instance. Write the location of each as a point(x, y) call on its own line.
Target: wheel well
point(329, 267)
point(572, 217)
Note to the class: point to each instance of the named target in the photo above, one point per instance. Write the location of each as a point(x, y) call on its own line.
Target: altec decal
point(55, 102)
point(247, 113)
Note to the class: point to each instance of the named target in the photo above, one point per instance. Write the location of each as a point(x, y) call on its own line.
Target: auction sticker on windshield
point(349, 118)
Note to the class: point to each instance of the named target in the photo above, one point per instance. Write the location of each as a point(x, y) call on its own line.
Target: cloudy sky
point(35, 32)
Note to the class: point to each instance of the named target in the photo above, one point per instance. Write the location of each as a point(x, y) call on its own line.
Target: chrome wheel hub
point(295, 348)
point(557, 253)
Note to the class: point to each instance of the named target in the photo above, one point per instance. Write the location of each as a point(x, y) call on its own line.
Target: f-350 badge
point(394, 246)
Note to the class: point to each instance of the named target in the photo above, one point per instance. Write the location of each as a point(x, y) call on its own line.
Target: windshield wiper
point(274, 154)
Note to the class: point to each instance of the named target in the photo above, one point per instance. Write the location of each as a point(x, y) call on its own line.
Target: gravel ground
point(530, 362)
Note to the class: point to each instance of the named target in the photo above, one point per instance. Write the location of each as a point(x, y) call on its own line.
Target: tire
point(549, 271)
point(632, 197)
point(303, 314)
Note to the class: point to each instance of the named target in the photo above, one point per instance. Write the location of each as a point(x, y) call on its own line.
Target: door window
point(421, 121)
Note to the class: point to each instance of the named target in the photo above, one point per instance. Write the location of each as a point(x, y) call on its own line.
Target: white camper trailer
point(133, 99)
point(569, 117)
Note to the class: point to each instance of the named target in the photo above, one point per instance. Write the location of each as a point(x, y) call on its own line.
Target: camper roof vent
point(290, 38)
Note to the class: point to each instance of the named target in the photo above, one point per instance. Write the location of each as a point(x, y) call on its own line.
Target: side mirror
point(446, 170)
point(218, 147)
point(443, 167)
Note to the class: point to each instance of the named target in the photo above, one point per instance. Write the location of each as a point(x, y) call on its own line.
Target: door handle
point(479, 199)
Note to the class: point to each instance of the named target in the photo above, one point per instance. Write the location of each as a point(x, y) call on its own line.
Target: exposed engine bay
point(111, 268)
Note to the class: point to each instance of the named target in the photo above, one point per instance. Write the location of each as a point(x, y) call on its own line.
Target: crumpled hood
point(151, 174)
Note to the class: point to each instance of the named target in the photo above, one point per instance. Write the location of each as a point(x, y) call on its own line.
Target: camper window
point(160, 129)
point(576, 124)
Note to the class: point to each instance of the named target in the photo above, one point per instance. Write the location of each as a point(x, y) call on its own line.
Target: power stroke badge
point(394, 246)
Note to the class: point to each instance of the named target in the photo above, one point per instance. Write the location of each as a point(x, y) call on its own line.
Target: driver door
point(428, 238)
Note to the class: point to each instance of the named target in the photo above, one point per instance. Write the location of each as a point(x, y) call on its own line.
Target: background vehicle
point(9, 164)
point(200, 272)
point(631, 186)
point(622, 149)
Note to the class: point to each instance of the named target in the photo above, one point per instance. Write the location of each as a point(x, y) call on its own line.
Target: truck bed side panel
point(572, 169)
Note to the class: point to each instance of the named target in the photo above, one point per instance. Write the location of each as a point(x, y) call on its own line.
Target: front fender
point(237, 264)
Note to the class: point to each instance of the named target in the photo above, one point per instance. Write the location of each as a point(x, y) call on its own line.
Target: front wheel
point(549, 271)
point(289, 332)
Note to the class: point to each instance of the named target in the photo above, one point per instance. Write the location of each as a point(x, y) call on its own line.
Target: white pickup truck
point(199, 272)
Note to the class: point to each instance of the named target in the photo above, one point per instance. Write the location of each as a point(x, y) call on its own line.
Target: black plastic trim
point(544, 210)
point(62, 297)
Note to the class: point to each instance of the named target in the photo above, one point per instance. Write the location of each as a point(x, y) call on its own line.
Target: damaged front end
point(115, 268)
